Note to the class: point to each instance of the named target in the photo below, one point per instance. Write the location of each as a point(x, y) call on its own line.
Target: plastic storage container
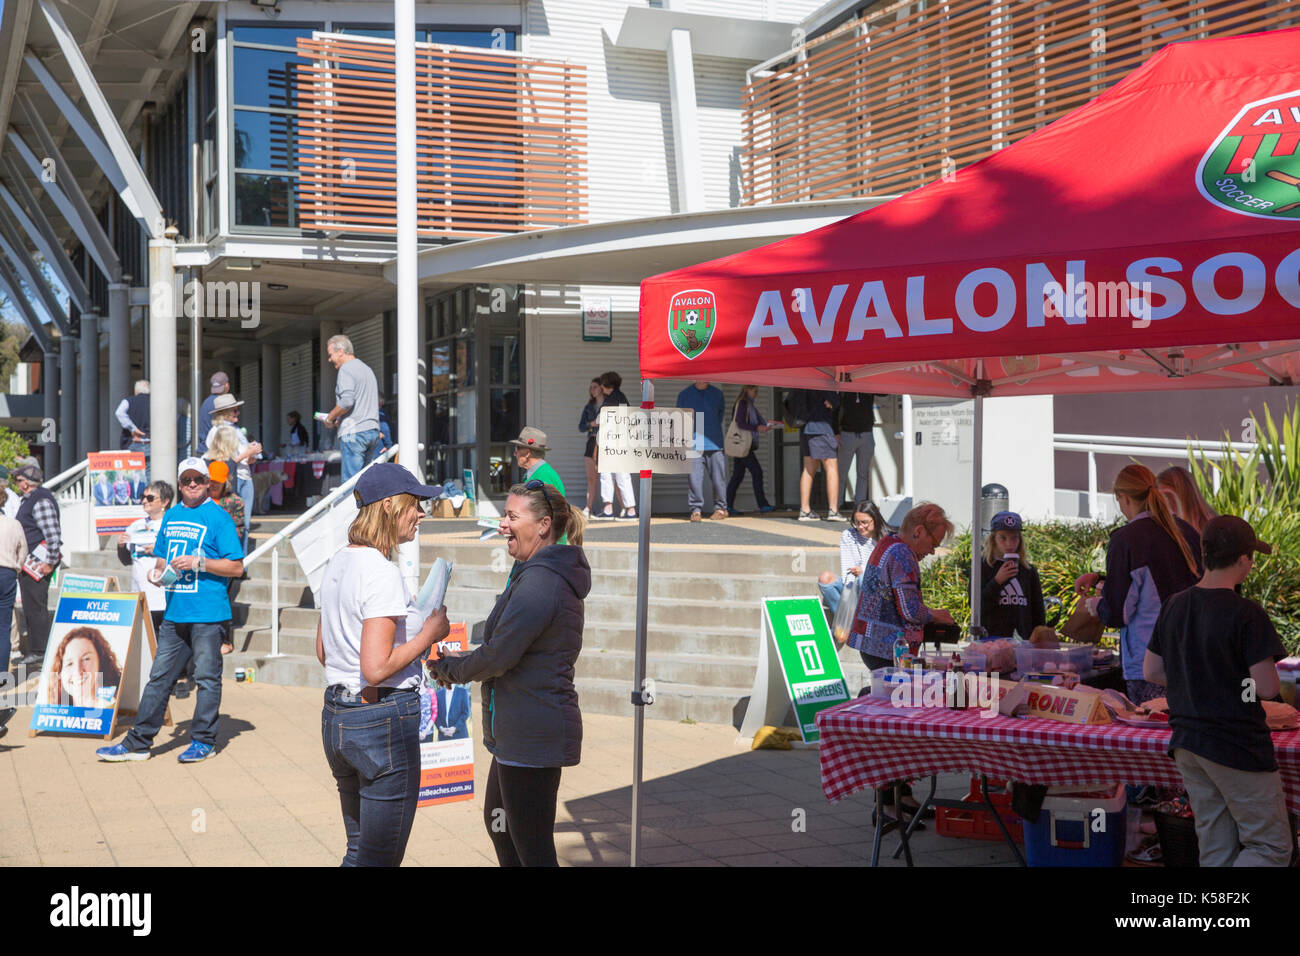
point(1071, 831)
point(1076, 658)
point(999, 652)
point(971, 660)
point(885, 680)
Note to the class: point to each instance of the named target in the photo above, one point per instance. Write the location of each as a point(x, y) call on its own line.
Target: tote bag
point(737, 441)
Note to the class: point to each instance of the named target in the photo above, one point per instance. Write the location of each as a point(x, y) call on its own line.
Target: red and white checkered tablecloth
point(868, 743)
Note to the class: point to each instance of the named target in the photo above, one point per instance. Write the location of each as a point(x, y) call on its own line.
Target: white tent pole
point(642, 696)
point(977, 480)
point(976, 502)
point(908, 450)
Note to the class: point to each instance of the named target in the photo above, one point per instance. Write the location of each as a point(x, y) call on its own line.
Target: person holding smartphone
point(370, 721)
point(1011, 595)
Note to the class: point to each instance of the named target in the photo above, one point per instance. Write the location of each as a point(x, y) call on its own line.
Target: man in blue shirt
point(707, 402)
point(198, 550)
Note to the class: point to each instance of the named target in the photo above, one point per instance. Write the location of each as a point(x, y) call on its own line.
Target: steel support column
point(67, 402)
point(88, 387)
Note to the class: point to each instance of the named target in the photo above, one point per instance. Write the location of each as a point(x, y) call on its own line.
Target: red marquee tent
point(1148, 240)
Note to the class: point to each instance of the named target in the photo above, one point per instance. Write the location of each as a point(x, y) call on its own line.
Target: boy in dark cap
point(1215, 651)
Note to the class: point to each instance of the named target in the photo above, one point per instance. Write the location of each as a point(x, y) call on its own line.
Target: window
point(264, 123)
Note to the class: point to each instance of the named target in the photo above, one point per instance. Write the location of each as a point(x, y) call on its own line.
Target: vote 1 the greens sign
point(809, 663)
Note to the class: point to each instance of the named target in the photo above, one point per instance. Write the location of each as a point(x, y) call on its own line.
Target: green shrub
point(1061, 551)
point(12, 448)
point(1263, 486)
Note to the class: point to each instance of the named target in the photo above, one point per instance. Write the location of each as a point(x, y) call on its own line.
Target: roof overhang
point(733, 38)
point(626, 251)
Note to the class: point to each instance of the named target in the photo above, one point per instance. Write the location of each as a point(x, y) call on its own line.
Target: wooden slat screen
point(501, 144)
point(911, 91)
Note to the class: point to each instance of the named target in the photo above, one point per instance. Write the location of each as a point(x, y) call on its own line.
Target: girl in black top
point(1011, 596)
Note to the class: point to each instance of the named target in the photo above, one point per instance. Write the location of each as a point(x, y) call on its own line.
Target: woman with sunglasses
point(531, 722)
point(370, 723)
point(135, 547)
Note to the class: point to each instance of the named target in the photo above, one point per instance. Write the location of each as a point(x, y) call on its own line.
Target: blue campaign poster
point(87, 663)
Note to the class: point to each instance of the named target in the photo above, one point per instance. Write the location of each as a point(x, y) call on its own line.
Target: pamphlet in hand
point(491, 528)
point(434, 592)
point(35, 558)
point(321, 416)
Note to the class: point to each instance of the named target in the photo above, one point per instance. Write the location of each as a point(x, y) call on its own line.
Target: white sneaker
point(808, 516)
point(835, 516)
point(586, 513)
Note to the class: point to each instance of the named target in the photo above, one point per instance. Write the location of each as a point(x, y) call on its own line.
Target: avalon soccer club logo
point(692, 318)
point(1253, 168)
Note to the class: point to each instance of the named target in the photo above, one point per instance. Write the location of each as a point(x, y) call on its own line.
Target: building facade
point(567, 149)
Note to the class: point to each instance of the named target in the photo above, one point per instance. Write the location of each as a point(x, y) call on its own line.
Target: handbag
point(738, 441)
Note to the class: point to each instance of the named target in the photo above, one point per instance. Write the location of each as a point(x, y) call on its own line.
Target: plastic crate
point(975, 822)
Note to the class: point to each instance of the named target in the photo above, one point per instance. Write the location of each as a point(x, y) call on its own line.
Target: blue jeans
point(359, 449)
point(176, 642)
point(714, 462)
point(8, 591)
point(831, 594)
point(245, 490)
point(374, 753)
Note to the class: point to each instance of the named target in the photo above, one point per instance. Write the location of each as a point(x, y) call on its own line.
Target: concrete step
point(712, 705)
point(257, 640)
point(797, 559)
point(295, 670)
point(716, 586)
point(258, 592)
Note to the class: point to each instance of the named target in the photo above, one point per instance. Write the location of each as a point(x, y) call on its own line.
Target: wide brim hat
point(534, 439)
point(225, 402)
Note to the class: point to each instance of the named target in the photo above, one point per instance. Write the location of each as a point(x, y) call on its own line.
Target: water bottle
point(900, 651)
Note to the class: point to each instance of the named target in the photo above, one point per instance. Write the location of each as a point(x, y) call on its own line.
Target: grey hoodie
point(531, 642)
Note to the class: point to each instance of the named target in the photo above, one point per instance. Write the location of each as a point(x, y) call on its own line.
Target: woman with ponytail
point(531, 641)
point(1148, 560)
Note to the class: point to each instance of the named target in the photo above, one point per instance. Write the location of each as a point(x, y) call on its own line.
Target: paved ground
point(268, 799)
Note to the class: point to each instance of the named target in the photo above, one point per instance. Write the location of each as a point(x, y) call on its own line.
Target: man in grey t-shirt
point(356, 409)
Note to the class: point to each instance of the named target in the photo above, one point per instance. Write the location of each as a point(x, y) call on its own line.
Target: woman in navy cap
point(1011, 595)
point(370, 724)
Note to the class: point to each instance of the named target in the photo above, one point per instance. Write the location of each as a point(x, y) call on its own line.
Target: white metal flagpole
point(408, 299)
point(642, 692)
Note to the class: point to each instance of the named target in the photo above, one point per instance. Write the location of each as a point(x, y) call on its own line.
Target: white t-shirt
point(242, 471)
point(361, 583)
point(144, 531)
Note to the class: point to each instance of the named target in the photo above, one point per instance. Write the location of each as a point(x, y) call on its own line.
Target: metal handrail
point(271, 544)
point(1152, 442)
point(1095, 445)
point(51, 484)
point(310, 514)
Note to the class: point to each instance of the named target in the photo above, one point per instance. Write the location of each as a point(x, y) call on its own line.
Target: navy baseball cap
point(387, 479)
point(1005, 521)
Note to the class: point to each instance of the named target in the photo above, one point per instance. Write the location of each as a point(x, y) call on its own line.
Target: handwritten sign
point(660, 440)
